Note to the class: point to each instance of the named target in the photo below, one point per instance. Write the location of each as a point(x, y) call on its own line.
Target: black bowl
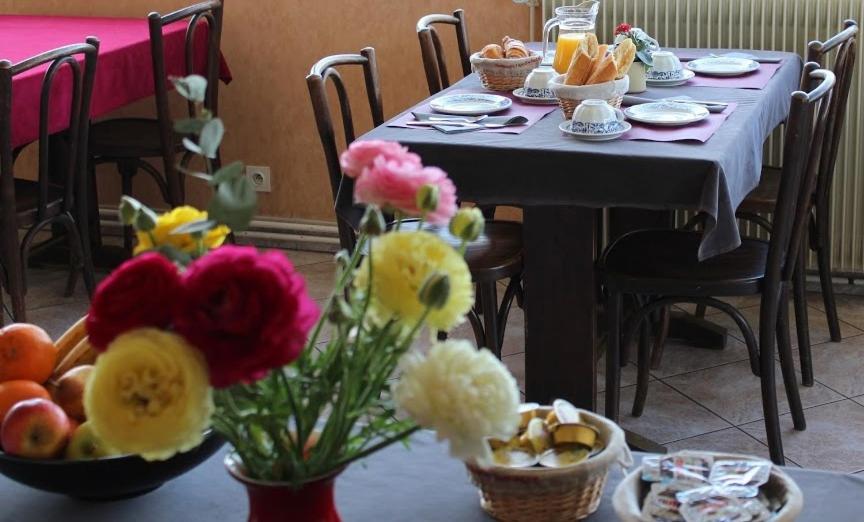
point(111, 478)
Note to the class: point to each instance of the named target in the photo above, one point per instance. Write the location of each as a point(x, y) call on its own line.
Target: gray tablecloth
point(421, 484)
point(543, 167)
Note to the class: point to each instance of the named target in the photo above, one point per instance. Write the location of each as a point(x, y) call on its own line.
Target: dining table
point(419, 482)
point(560, 183)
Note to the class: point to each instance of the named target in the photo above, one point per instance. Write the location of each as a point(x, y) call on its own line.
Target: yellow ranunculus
point(464, 394)
point(401, 263)
point(167, 222)
point(149, 394)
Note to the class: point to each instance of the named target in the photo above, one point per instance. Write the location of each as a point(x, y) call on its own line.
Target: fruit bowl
point(111, 478)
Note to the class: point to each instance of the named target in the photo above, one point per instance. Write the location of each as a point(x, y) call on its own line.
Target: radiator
point(783, 25)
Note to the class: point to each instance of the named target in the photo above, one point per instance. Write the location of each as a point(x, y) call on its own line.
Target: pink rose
point(390, 183)
point(361, 154)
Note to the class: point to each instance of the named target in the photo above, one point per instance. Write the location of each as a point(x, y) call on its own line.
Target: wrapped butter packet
point(686, 470)
point(715, 509)
point(714, 490)
point(740, 472)
point(651, 468)
point(660, 505)
point(757, 510)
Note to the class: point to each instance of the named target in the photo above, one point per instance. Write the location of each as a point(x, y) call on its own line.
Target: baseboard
point(264, 232)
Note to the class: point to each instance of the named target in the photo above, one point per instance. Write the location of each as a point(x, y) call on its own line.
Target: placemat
point(755, 80)
point(700, 132)
point(533, 113)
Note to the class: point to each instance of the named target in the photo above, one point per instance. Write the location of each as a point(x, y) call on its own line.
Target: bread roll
point(580, 69)
point(604, 71)
point(514, 48)
point(493, 51)
point(624, 55)
point(590, 45)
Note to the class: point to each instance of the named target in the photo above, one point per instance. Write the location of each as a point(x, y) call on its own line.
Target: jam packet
point(715, 509)
point(661, 504)
point(686, 470)
point(714, 490)
point(651, 468)
point(740, 472)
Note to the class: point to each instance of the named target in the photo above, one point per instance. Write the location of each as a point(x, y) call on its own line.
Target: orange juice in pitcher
point(573, 23)
point(567, 45)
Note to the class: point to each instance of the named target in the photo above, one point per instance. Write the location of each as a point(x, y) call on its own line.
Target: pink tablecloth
point(123, 75)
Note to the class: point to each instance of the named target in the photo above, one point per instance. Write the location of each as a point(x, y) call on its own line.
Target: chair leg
point(613, 352)
point(477, 327)
point(660, 340)
point(784, 349)
point(489, 306)
point(700, 311)
point(127, 169)
point(94, 226)
point(767, 335)
point(643, 358)
point(802, 326)
point(16, 285)
point(823, 258)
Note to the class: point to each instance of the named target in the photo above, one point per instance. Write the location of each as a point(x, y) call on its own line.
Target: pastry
point(624, 55)
point(604, 71)
point(580, 69)
point(493, 51)
point(590, 45)
point(514, 48)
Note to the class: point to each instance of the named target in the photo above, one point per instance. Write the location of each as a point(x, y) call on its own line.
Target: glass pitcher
point(573, 23)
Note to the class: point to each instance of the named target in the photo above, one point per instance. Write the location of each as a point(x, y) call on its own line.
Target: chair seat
point(763, 199)
point(668, 259)
point(128, 138)
point(27, 201)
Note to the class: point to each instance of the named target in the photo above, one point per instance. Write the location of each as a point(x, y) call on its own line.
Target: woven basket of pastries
point(595, 73)
point(551, 473)
point(504, 67)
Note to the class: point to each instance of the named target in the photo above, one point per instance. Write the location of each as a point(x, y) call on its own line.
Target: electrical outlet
point(260, 177)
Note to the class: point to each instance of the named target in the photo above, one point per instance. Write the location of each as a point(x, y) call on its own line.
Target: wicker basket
point(504, 74)
point(571, 96)
point(630, 493)
point(569, 493)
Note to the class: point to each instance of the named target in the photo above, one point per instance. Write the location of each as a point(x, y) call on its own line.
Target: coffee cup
point(666, 66)
point(537, 83)
point(596, 117)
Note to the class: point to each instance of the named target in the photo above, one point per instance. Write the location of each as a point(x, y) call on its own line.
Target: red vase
point(282, 502)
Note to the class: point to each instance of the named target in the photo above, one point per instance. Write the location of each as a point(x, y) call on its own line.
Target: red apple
point(70, 392)
point(36, 429)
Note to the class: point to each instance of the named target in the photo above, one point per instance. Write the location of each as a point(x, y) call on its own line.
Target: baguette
point(604, 71)
point(602, 50)
point(590, 45)
point(625, 54)
point(580, 69)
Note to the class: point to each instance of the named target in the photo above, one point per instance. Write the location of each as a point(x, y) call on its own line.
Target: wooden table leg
point(560, 311)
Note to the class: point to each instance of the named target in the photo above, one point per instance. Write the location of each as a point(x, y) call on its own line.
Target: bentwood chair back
point(59, 194)
point(327, 69)
point(434, 60)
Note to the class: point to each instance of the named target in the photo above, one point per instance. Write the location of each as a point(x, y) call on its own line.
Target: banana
point(82, 353)
point(71, 338)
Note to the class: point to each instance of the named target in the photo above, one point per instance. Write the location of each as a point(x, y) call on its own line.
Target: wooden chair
point(496, 256)
point(58, 197)
point(434, 61)
point(663, 264)
point(127, 142)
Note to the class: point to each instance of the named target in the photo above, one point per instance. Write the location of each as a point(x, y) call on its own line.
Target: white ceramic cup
point(596, 117)
point(666, 66)
point(537, 82)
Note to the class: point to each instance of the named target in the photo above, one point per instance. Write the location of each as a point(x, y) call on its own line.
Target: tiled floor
point(698, 398)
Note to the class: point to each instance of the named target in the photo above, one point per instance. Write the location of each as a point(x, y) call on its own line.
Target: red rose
point(140, 293)
point(248, 312)
point(622, 28)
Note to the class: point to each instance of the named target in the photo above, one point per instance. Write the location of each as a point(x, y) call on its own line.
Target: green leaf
point(191, 146)
point(188, 126)
point(145, 219)
point(174, 254)
point(211, 137)
point(234, 203)
point(129, 208)
point(193, 87)
point(195, 227)
point(227, 173)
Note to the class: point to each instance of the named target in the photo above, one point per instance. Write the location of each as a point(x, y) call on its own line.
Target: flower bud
point(427, 198)
point(145, 220)
point(435, 291)
point(468, 224)
point(372, 223)
point(340, 312)
point(128, 210)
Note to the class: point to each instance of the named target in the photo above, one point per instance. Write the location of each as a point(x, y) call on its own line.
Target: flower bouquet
point(645, 45)
point(195, 335)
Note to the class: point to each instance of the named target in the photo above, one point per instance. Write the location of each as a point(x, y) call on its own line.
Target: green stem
point(372, 449)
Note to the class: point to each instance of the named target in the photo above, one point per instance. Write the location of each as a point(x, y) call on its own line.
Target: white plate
point(565, 128)
point(520, 93)
point(723, 66)
point(667, 114)
point(470, 104)
point(686, 76)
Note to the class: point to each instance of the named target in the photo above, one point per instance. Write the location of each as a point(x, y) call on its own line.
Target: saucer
point(533, 100)
point(686, 76)
point(470, 104)
point(565, 128)
point(723, 66)
point(667, 114)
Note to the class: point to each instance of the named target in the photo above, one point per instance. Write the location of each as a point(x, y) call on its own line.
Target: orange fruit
point(13, 392)
point(26, 352)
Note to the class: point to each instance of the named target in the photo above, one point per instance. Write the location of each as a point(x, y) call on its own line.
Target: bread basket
point(552, 494)
point(630, 493)
point(571, 96)
point(504, 74)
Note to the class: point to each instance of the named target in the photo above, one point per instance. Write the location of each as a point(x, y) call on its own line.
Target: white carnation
point(465, 394)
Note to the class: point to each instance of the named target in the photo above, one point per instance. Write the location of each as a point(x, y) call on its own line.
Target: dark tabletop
point(543, 167)
point(421, 484)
